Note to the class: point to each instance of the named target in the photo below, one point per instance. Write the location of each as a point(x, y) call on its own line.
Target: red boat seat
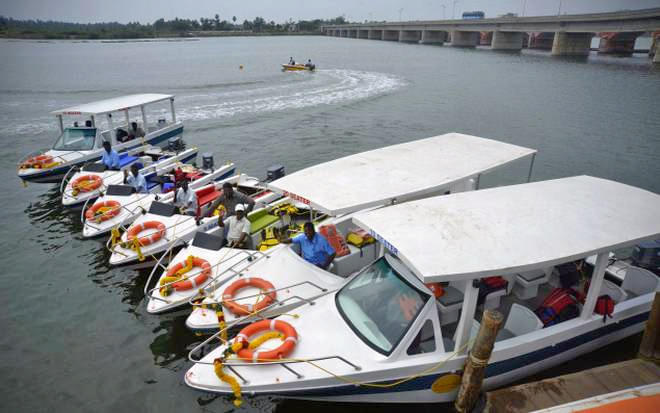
point(205, 196)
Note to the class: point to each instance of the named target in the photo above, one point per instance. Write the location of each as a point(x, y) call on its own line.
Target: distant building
point(509, 15)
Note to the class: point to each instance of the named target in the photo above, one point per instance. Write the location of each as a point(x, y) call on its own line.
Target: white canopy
point(398, 172)
point(514, 228)
point(114, 104)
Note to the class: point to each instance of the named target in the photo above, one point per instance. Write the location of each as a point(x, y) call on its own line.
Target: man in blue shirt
point(314, 247)
point(110, 156)
point(135, 179)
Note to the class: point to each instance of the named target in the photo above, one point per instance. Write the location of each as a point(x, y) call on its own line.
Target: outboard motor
point(274, 172)
point(175, 144)
point(207, 161)
point(647, 255)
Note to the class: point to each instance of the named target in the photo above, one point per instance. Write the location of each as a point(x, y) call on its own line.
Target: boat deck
point(572, 387)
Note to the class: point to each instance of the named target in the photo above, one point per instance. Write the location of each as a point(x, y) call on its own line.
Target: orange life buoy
point(37, 161)
point(87, 183)
point(246, 309)
point(335, 239)
point(192, 282)
point(290, 340)
point(135, 230)
point(113, 208)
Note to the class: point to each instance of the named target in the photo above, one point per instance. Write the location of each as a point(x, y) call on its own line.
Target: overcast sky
point(146, 11)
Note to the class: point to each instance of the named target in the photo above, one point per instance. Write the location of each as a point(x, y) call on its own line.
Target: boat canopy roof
point(114, 104)
point(396, 173)
point(516, 228)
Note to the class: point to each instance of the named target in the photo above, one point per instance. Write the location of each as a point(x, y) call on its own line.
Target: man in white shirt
point(239, 228)
point(186, 199)
point(135, 179)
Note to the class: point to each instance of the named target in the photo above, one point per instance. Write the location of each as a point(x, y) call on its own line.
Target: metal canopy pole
point(111, 127)
point(476, 185)
point(470, 298)
point(61, 123)
point(531, 167)
point(93, 121)
point(144, 119)
point(172, 110)
point(128, 120)
point(596, 283)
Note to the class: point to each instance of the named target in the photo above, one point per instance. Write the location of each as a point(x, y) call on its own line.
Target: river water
point(76, 335)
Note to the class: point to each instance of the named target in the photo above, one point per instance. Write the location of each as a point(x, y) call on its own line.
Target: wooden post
point(649, 349)
point(477, 360)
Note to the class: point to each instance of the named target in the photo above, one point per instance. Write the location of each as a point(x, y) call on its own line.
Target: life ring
point(135, 230)
point(86, 183)
point(290, 340)
point(37, 162)
point(96, 212)
point(247, 309)
point(190, 283)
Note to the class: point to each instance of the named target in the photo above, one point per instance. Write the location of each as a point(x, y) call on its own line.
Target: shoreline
point(188, 36)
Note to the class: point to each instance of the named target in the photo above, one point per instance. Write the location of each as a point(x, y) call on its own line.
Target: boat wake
point(325, 87)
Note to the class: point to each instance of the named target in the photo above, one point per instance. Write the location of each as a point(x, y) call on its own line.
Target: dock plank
point(572, 387)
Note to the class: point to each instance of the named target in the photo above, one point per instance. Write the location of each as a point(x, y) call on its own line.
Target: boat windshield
point(76, 139)
point(379, 306)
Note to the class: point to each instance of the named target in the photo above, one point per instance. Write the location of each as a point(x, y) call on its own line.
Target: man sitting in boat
point(239, 228)
point(135, 131)
point(309, 64)
point(135, 179)
point(186, 199)
point(230, 198)
point(291, 61)
point(110, 156)
point(314, 247)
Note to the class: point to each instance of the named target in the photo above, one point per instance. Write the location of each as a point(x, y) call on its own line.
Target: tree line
point(49, 29)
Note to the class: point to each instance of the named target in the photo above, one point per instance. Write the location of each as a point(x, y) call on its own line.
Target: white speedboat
point(132, 204)
point(94, 179)
point(339, 189)
point(163, 227)
point(78, 145)
point(384, 336)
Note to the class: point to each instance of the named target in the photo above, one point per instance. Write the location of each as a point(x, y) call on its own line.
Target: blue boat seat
point(125, 159)
point(151, 185)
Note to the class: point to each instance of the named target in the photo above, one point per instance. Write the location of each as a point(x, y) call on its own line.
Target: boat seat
point(205, 196)
point(260, 219)
point(125, 159)
point(521, 320)
point(449, 305)
point(639, 281)
point(355, 260)
point(614, 291)
point(527, 283)
point(152, 184)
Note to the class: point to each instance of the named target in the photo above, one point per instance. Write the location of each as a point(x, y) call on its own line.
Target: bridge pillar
point(656, 56)
point(464, 39)
point(375, 34)
point(363, 34)
point(486, 38)
point(344, 33)
point(507, 41)
point(352, 33)
point(410, 36)
point(392, 35)
point(571, 44)
point(433, 37)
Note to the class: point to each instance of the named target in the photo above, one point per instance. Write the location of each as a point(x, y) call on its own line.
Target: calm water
point(76, 336)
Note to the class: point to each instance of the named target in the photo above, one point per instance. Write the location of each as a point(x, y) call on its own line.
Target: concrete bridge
point(571, 34)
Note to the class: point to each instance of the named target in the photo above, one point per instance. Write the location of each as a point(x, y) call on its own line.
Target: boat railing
point(159, 264)
point(122, 206)
point(231, 365)
point(174, 240)
point(276, 302)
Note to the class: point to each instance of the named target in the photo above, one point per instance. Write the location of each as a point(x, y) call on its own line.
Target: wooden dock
point(572, 387)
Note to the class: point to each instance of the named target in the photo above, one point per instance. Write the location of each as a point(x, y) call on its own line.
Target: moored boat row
point(418, 247)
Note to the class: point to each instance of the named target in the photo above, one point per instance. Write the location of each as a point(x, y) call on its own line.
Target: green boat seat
point(260, 219)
